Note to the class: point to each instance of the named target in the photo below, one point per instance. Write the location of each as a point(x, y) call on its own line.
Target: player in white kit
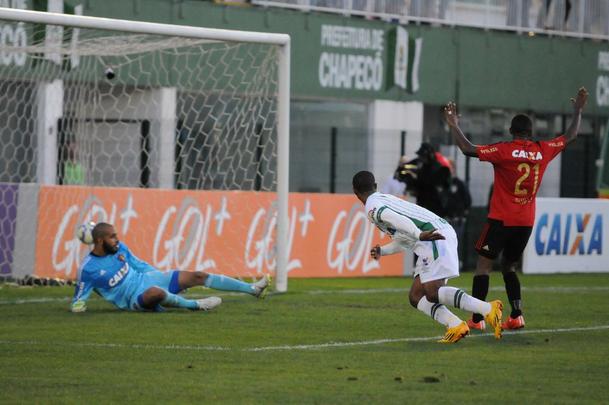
point(435, 243)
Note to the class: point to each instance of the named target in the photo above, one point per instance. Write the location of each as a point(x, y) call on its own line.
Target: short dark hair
point(363, 182)
point(426, 149)
point(100, 230)
point(521, 125)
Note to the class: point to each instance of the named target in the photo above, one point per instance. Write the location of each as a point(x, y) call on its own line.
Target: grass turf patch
point(105, 355)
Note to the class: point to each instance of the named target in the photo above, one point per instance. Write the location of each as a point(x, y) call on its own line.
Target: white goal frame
point(283, 96)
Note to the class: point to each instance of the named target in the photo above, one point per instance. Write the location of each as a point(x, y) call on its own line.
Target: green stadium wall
point(476, 68)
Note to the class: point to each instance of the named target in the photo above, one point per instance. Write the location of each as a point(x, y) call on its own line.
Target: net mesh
point(103, 109)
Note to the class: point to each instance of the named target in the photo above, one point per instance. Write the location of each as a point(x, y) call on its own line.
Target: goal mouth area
point(115, 104)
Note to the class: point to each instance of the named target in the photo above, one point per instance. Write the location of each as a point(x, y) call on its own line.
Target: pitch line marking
point(399, 290)
point(416, 339)
point(566, 290)
point(329, 345)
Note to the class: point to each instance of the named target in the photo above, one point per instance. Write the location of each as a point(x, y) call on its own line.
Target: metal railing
point(572, 18)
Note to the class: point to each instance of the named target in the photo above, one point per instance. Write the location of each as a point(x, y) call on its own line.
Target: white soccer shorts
point(438, 259)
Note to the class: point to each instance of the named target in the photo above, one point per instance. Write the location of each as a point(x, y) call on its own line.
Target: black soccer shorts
point(496, 238)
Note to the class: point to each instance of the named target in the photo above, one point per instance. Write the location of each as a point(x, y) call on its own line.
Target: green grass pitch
point(326, 341)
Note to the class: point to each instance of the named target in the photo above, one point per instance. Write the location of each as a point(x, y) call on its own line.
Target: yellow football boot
point(493, 318)
point(454, 334)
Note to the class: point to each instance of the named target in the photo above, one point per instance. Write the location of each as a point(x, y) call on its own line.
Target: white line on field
point(33, 300)
point(415, 339)
point(115, 345)
point(404, 290)
point(291, 347)
point(555, 289)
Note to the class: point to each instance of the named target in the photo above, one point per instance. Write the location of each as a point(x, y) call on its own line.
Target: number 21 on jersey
point(525, 169)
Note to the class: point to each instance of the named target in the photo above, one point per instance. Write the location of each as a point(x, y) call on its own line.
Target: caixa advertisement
point(569, 236)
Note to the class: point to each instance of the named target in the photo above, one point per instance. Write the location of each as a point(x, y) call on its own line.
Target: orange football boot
point(513, 323)
point(481, 326)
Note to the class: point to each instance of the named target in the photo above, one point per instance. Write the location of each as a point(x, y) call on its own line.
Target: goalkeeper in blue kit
point(116, 274)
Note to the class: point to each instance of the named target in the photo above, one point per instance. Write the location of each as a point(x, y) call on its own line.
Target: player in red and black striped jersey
point(519, 166)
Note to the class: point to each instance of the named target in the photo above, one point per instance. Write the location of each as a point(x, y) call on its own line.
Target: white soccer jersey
point(404, 221)
point(400, 219)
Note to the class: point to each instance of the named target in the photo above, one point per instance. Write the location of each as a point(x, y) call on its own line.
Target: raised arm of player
point(452, 119)
point(578, 105)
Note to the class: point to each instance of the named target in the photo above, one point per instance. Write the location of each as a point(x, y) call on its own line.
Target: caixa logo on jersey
point(569, 234)
point(118, 277)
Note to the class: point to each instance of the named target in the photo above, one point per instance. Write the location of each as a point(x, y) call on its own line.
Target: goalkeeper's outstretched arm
point(82, 292)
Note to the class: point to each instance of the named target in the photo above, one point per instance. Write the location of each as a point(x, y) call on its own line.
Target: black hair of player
point(521, 126)
point(364, 182)
point(100, 231)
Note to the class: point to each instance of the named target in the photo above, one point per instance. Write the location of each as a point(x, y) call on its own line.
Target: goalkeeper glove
point(79, 306)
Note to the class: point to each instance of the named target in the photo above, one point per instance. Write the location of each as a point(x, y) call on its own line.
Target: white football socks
point(460, 299)
point(438, 312)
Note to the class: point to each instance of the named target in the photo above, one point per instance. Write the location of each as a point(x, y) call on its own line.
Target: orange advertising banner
point(228, 232)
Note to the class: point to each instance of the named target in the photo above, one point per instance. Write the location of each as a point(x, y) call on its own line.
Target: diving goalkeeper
point(113, 272)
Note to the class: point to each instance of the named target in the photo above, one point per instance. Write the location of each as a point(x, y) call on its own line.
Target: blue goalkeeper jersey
point(116, 277)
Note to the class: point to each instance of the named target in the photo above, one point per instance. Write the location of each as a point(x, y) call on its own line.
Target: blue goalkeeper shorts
point(167, 281)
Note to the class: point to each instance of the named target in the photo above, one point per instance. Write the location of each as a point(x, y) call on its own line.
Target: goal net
point(177, 135)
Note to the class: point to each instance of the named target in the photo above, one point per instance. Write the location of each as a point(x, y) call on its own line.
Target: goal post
point(238, 97)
